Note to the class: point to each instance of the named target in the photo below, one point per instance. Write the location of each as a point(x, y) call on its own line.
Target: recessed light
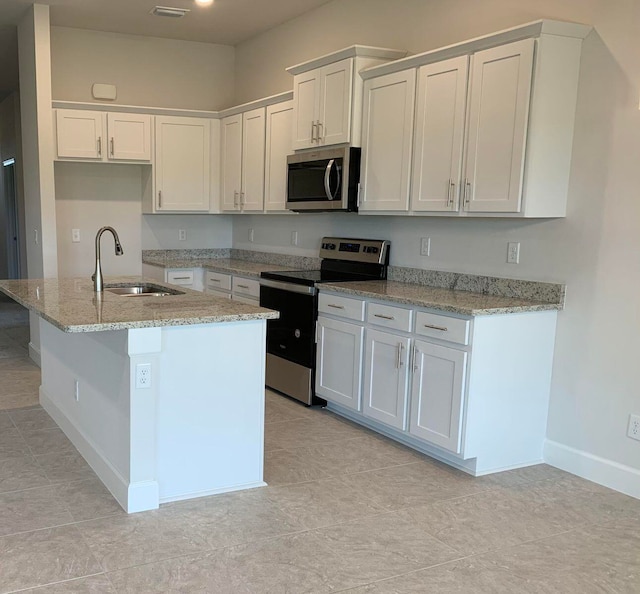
point(168, 11)
point(203, 2)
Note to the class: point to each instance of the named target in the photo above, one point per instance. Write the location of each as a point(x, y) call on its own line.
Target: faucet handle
point(93, 277)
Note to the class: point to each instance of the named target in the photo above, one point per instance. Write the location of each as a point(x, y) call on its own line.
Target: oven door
point(292, 336)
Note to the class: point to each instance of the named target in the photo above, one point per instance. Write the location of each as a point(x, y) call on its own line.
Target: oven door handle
point(291, 287)
point(327, 180)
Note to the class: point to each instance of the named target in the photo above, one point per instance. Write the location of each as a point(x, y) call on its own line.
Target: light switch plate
point(75, 235)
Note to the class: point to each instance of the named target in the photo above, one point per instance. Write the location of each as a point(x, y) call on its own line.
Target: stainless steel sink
point(142, 291)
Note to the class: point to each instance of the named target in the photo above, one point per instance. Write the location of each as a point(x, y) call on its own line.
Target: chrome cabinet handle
point(215, 280)
point(415, 359)
point(319, 126)
point(99, 146)
point(112, 146)
point(451, 193)
point(175, 278)
point(242, 286)
point(159, 198)
point(235, 200)
point(383, 317)
point(399, 361)
point(242, 200)
point(313, 131)
point(467, 192)
point(335, 306)
point(441, 328)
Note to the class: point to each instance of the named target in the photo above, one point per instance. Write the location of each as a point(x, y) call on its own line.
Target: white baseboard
point(593, 468)
point(133, 497)
point(34, 353)
point(207, 493)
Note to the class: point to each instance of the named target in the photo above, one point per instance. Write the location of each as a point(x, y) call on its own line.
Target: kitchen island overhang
point(193, 425)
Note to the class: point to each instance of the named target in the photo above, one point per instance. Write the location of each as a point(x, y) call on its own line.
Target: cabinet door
point(439, 132)
point(306, 107)
point(279, 123)
point(129, 136)
point(231, 162)
point(437, 394)
point(387, 139)
point(339, 362)
point(79, 134)
point(498, 116)
point(385, 378)
point(336, 88)
point(253, 140)
point(183, 148)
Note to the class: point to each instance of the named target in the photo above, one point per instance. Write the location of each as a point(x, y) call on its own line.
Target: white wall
point(90, 196)
point(595, 250)
point(146, 70)
point(160, 232)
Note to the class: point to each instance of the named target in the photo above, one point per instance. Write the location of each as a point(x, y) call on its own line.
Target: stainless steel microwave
point(324, 180)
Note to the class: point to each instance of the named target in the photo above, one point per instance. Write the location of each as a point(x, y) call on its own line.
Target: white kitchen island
point(163, 396)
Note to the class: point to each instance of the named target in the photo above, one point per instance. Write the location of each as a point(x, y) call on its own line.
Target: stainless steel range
point(291, 340)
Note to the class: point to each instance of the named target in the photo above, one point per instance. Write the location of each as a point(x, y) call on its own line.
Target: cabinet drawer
point(353, 309)
point(180, 277)
point(443, 327)
point(389, 316)
point(246, 286)
point(218, 281)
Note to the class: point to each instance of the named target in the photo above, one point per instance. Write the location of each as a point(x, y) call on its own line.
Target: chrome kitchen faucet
point(98, 281)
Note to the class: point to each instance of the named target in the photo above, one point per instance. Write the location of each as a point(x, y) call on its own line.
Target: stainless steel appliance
point(291, 340)
point(324, 180)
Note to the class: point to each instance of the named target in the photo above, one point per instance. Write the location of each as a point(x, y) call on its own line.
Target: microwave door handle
point(327, 176)
point(338, 184)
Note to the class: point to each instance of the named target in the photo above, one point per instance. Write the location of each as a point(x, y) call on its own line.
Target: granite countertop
point(72, 305)
point(449, 300)
point(225, 265)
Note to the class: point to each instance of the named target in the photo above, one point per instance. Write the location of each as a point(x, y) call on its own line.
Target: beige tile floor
point(345, 510)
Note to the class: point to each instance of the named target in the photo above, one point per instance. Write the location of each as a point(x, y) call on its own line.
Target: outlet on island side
point(425, 246)
point(182, 235)
point(634, 427)
point(513, 252)
point(143, 376)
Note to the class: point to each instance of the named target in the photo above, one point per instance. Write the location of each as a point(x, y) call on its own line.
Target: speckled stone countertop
point(72, 306)
point(225, 265)
point(449, 300)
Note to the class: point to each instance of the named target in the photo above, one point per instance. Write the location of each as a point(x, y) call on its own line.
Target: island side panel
point(95, 415)
point(210, 409)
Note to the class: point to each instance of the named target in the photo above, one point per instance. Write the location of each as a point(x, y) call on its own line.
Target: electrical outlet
point(75, 235)
point(251, 235)
point(634, 427)
point(425, 246)
point(294, 238)
point(182, 235)
point(143, 376)
point(513, 252)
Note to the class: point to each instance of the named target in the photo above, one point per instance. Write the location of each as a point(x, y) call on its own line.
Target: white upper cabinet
point(498, 115)
point(387, 138)
point(79, 134)
point(243, 161)
point(129, 136)
point(439, 135)
point(182, 165)
point(278, 146)
point(100, 136)
point(253, 157)
point(493, 126)
point(231, 162)
point(322, 105)
point(327, 96)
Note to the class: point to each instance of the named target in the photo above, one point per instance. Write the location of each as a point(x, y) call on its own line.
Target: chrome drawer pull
point(383, 317)
point(215, 280)
point(242, 286)
point(181, 278)
point(441, 328)
point(335, 306)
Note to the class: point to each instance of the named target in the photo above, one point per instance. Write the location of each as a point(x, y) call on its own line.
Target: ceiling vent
point(168, 11)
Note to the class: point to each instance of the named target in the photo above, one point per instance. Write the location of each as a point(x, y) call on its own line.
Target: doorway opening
point(11, 210)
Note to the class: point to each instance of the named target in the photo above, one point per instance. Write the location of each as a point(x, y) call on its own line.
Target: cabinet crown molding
point(364, 51)
point(525, 31)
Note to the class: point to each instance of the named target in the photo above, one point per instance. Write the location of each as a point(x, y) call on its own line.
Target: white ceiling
point(226, 21)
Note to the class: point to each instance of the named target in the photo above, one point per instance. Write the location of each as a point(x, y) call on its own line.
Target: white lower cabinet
point(470, 391)
point(339, 362)
point(386, 378)
point(437, 394)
